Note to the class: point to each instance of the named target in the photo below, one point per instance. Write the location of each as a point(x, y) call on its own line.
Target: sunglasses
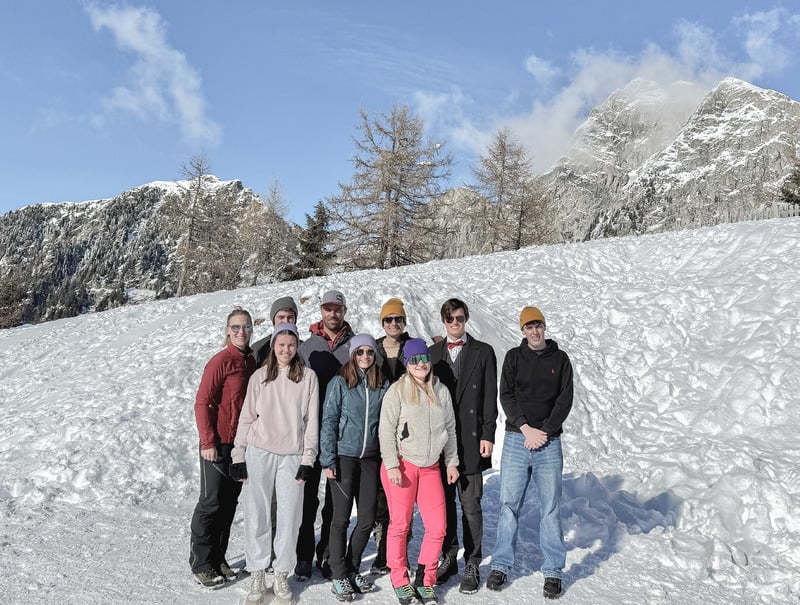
point(455, 318)
point(367, 352)
point(245, 327)
point(418, 359)
point(397, 320)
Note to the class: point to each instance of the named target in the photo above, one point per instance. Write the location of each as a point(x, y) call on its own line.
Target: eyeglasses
point(397, 320)
point(418, 359)
point(245, 327)
point(457, 318)
point(367, 352)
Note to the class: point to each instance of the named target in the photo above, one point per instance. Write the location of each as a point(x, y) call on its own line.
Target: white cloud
point(161, 84)
point(767, 38)
point(541, 69)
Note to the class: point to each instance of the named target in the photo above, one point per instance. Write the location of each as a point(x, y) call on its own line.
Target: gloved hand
point(238, 471)
point(304, 473)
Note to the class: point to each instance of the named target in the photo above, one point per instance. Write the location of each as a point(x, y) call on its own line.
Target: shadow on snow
point(596, 516)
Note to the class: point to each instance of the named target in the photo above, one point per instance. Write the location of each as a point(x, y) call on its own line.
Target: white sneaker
point(281, 586)
point(258, 589)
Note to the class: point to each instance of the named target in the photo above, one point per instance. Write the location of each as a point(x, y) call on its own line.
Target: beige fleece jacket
point(421, 432)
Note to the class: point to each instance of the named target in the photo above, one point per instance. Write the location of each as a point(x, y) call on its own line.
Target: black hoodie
point(536, 388)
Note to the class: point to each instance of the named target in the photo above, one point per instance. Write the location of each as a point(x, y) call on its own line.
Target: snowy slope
point(681, 450)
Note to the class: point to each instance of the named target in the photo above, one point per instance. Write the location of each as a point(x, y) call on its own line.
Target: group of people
point(393, 424)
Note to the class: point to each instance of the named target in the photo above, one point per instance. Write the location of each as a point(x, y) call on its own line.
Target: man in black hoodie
point(536, 395)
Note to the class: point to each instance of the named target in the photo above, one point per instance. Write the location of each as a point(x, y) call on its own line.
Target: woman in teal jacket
point(350, 455)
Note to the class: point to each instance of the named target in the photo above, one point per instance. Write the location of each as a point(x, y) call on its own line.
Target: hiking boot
point(325, 569)
point(471, 579)
point(258, 589)
point(426, 595)
point(496, 580)
point(360, 583)
point(302, 571)
point(209, 578)
point(405, 594)
point(342, 589)
point(448, 567)
point(552, 588)
point(280, 586)
point(228, 572)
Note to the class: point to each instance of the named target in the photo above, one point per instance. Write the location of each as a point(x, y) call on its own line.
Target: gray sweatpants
point(269, 473)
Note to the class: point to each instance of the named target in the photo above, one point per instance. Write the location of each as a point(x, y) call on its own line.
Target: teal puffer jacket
point(350, 421)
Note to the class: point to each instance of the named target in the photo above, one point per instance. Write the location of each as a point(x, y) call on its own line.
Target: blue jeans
point(518, 466)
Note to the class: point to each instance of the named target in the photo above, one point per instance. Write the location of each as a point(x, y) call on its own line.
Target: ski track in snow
point(680, 452)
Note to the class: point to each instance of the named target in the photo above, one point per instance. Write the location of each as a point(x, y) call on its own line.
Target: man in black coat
point(468, 367)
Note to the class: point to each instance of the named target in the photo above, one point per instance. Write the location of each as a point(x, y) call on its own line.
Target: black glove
point(238, 471)
point(305, 472)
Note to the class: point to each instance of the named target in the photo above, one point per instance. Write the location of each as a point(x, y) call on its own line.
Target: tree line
point(395, 210)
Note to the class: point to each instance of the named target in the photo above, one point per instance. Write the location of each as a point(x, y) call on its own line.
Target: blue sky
point(99, 97)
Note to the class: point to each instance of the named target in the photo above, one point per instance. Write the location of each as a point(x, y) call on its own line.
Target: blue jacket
point(350, 421)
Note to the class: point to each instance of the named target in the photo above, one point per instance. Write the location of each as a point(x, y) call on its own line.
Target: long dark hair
point(351, 372)
point(296, 365)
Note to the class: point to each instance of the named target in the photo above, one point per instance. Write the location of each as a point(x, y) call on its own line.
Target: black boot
point(552, 588)
point(448, 567)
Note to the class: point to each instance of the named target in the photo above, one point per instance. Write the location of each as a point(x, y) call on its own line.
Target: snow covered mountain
point(652, 159)
point(682, 483)
point(59, 260)
point(649, 159)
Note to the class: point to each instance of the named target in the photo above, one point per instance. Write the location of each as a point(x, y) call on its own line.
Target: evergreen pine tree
point(314, 245)
point(396, 173)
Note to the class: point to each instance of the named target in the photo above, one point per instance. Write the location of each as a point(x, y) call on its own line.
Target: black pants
point(382, 519)
point(213, 515)
point(356, 481)
point(305, 539)
point(470, 492)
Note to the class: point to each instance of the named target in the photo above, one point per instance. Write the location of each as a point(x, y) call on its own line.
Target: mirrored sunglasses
point(418, 359)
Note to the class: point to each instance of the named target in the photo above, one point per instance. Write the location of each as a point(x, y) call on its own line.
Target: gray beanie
point(362, 340)
point(285, 327)
point(287, 302)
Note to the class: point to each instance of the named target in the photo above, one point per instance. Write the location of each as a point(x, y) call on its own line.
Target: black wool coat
point(474, 398)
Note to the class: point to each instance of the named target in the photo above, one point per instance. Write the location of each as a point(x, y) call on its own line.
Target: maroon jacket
point(221, 395)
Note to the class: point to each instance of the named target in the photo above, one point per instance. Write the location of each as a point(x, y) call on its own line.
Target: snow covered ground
point(681, 450)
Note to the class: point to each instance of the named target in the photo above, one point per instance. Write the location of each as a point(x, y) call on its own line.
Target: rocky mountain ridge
point(59, 260)
point(650, 158)
point(640, 165)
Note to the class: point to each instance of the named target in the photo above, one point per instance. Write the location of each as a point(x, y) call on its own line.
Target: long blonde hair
point(236, 311)
point(409, 388)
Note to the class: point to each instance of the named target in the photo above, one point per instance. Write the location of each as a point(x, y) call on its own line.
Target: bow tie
point(457, 343)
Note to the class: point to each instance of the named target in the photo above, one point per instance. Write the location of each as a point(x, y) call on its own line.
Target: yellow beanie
point(530, 314)
point(393, 306)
